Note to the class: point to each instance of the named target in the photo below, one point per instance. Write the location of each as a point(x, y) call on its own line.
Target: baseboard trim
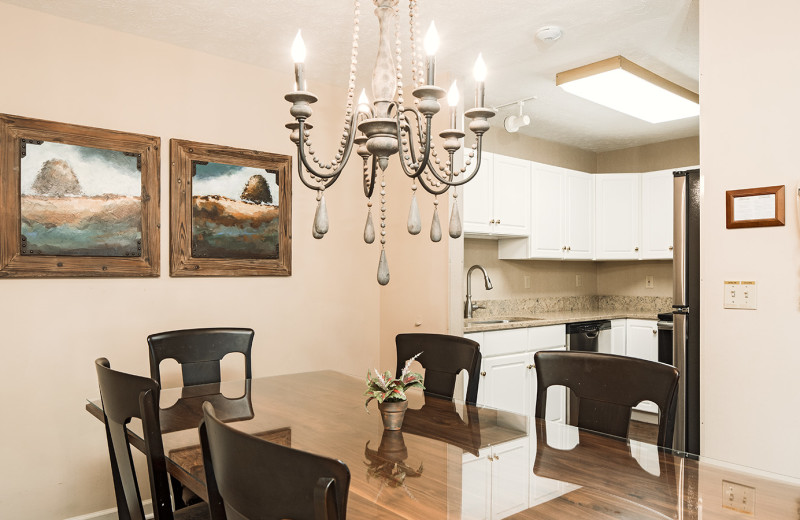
point(111, 514)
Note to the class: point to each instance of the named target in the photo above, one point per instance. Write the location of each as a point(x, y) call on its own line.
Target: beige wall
point(548, 278)
point(749, 114)
point(677, 153)
point(539, 150)
point(628, 278)
point(326, 315)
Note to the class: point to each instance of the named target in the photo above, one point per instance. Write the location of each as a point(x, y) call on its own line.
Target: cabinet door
point(476, 482)
point(506, 382)
point(477, 199)
point(556, 409)
point(657, 194)
point(510, 474)
point(547, 213)
point(580, 216)
point(511, 203)
point(642, 342)
point(617, 216)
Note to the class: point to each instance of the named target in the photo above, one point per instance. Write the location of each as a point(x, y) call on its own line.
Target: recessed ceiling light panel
point(622, 85)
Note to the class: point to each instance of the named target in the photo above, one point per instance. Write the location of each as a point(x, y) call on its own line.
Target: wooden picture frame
point(77, 201)
point(755, 207)
point(223, 216)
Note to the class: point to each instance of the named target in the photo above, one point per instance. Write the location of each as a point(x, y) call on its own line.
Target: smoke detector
point(549, 33)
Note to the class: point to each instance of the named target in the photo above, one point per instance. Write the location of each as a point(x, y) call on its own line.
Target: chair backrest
point(608, 387)
point(199, 352)
point(124, 397)
point(251, 478)
point(443, 357)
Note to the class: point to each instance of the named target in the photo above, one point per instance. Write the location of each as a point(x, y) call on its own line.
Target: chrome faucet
point(469, 306)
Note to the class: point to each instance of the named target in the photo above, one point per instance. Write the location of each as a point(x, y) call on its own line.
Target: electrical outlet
point(738, 497)
point(649, 282)
point(526, 281)
point(578, 280)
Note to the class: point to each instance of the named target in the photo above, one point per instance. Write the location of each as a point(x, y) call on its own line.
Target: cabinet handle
point(635, 248)
point(483, 374)
point(530, 367)
point(491, 221)
point(498, 221)
point(655, 331)
point(569, 248)
point(564, 248)
point(670, 248)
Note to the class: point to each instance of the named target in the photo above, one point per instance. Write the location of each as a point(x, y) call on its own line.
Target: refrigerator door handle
point(679, 240)
point(679, 339)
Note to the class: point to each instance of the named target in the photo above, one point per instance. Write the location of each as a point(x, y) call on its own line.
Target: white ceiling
point(661, 35)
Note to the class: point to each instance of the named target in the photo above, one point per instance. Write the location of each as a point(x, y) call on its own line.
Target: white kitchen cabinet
point(505, 382)
point(657, 212)
point(579, 220)
point(495, 483)
point(613, 341)
point(617, 216)
point(562, 217)
point(642, 343)
point(496, 202)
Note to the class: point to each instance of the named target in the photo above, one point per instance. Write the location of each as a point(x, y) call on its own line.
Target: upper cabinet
point(657, 195)
point(617, 216)
point(496, 202)
point(562, 217)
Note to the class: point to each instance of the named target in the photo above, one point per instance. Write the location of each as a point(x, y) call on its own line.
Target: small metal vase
point(392, 414)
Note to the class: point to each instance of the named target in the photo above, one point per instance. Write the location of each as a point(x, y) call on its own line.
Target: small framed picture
point(230, 211)
point(755, 207)
point(77, 201)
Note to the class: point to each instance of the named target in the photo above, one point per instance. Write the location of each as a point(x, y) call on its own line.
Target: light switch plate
point(578, 280)
point(738, 497)
point(649, 282)
point(740, 294)
point(526, 281)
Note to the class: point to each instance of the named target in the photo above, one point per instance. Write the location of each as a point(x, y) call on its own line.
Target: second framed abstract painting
point(230, 211)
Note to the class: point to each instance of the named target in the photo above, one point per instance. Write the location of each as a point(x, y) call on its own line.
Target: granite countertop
point(541, 319)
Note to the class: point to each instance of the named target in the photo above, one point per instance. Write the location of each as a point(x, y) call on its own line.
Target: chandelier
point(389, 126)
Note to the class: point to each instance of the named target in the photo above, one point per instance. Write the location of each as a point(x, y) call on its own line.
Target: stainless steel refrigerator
point(686, 308)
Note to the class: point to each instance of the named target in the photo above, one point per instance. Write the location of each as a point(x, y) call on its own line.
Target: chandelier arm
point(426, 156)
point(469, 177)
point(345, 157)
point(430, 189)
point(317, 187)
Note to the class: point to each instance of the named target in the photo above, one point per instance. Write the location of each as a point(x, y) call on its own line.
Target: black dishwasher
point(582, 336)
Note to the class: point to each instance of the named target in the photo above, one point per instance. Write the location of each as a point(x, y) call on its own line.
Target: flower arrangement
point(386, 388)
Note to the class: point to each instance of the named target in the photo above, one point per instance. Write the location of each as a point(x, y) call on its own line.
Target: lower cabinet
point(495, 483)
point(642, 342)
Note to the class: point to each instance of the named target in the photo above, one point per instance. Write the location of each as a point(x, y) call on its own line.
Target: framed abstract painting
point(77, 201)
point(230, 211)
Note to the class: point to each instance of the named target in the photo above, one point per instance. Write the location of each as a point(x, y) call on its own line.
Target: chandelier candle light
point(388, 126)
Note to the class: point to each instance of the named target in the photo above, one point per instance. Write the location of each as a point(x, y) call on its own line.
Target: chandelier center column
point(384, 76)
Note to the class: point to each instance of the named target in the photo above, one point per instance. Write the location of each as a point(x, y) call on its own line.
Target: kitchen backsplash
point(532, 306)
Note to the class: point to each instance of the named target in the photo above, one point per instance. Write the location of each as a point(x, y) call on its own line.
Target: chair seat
point(193, 512)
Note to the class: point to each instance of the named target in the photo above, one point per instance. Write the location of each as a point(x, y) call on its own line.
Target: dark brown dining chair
point(607, 387)
point(443, 357)
point(251, 478)
point(199, 352)
point(124, 397)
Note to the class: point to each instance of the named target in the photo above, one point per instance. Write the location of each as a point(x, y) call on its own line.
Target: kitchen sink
point(499, 321)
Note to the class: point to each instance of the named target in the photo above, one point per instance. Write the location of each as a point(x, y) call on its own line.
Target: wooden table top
point(458, 461)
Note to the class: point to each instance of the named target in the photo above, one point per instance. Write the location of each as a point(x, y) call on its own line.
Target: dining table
point(452, 460)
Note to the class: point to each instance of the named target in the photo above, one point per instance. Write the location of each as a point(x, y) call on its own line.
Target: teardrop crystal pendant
point(455, 221)
point(436, 228)
point(383, 269)
point(369, 229)
point(414, 222)
point(321, 218)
